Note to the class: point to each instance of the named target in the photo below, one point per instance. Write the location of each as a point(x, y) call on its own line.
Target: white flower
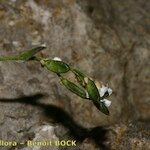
point(103, 89)
point(57, 59)
point(107, 103)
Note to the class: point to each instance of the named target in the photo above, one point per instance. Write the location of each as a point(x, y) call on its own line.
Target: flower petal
point(57, 59)
point(109, 91)
point(103, 90)
point(106, 102)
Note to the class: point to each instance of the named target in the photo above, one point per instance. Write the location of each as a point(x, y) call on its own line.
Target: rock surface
point(108, 40)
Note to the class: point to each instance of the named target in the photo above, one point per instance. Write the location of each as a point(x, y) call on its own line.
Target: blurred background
point(108, 40)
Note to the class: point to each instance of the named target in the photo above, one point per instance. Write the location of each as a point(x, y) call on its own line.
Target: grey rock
point(108, 40)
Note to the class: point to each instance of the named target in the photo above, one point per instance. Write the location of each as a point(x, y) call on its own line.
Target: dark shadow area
point(76, 131)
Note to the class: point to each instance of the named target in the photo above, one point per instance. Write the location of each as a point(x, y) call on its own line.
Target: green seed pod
point(56, 66)
point(74, 88)
point(101, 106)
point(92, 91)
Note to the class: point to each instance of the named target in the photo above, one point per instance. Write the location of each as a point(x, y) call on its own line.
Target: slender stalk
point(7, 58)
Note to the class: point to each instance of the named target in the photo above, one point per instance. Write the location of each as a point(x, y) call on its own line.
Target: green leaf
point(28, 54)
point(56, 66)
point(101, 106)
point(79, 76)
point(92, 91)
point(73, 88)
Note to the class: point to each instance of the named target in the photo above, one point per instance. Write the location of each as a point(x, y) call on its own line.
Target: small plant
point(85, 87)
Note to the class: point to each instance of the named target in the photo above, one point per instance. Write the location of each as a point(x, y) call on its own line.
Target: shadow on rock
point(79, 133)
